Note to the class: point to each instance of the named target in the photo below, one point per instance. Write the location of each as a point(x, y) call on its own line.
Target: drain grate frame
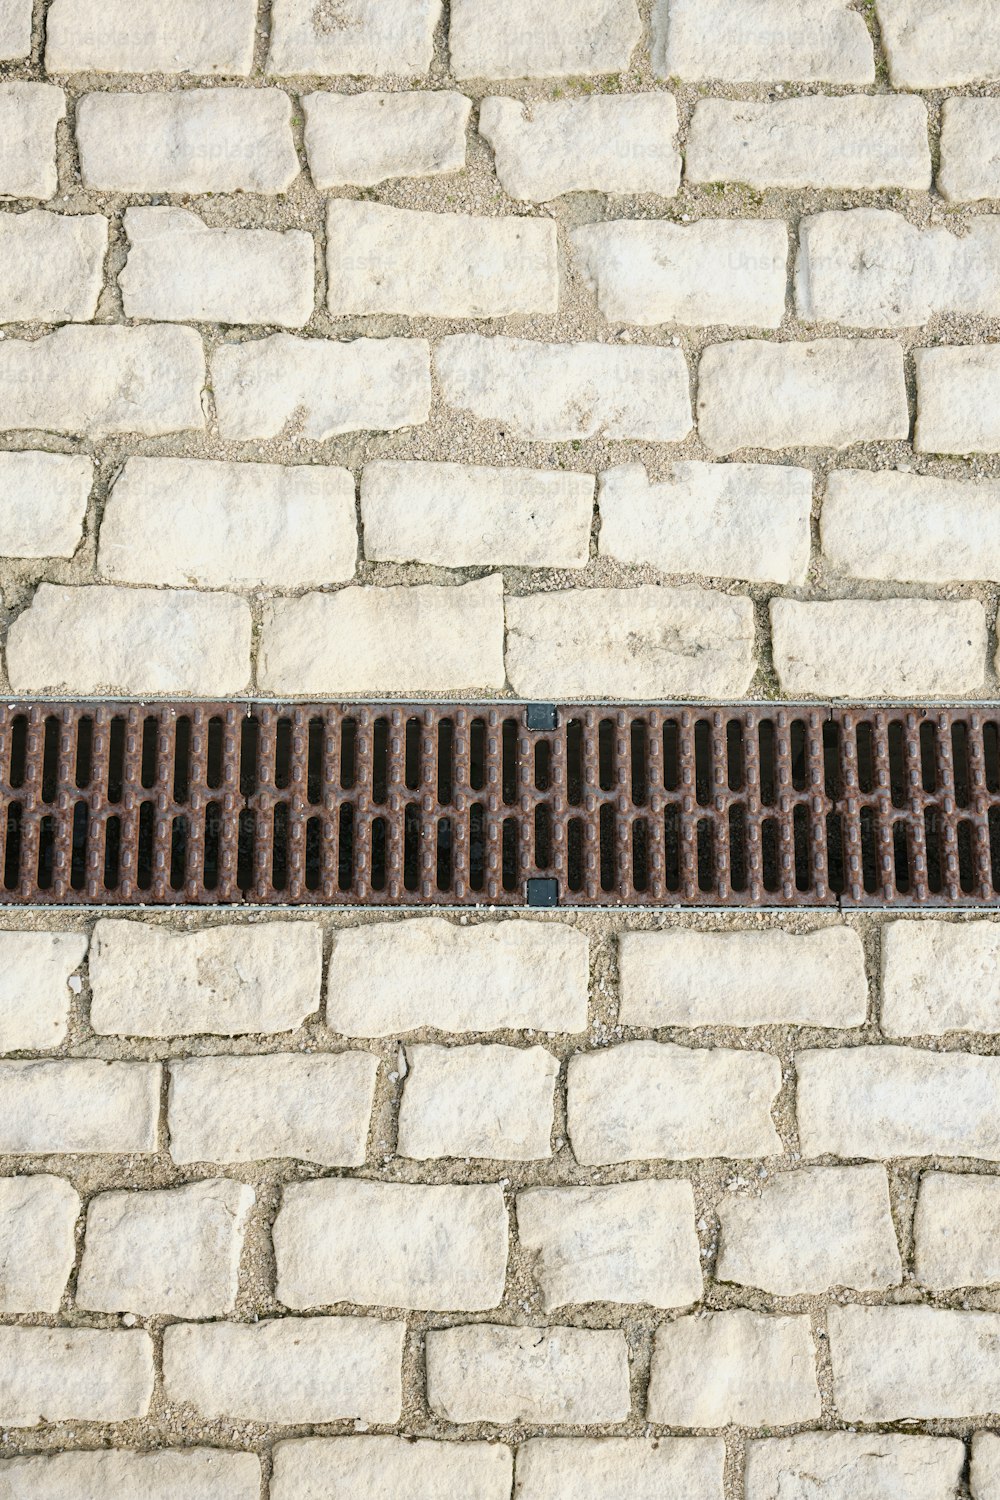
point(499, 804)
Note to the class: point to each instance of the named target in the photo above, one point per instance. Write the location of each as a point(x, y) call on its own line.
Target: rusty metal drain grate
point(498, 804)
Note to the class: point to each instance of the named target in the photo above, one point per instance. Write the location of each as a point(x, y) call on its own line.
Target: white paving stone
point(557, 392)
point(933, 43)
point(403, 639)
point(884, 1102)
point(826, 394)
point(851, 1465)
point(894, 1363)
point(391, 1245)
point(809, 1230)
point(191, 1473)
point(400, 260)
point(486, 1372)
point(192, 141)
point(332, 37)
point(78, 1105)
point(621, 143)
point(767, 978)
point(175, 1251)
point(34, 986)
point(297, 388)
point(958, 410)
point(641, 1101)
point(227, 980)
point(596, 1468)
point(970, 150)
point(53, 266)
point(103, 381)
point(179, 269)
point(903, 648)
point(646, 642)
point(742, 1367)
point(287, 1370)
point(488, 977)
point(574, 37)
point(74, 1374)
point(717, 520)
point(956, 1231)
point(29, 114)
point(939, 977)
point(145, 36)
point(463, 515)
point(360, 140)
point(404, 1468)
point(485, 1101)
point(189, 522)
point(15, 28)
point(911, 526)
point(627, 1242)
point(760, 41)
point(43, 501)
point(984, 1470)
point(855, 141)
point(37, 1246)
point(240, 1109)
point(647, 272)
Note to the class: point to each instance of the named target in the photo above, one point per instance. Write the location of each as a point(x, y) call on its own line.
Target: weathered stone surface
point(646, 642)
point(78, 1105)
point(767, 978)
point(363, 139)
point(758, 41)
point(181, 270)
point(318, 388)
point(101, 381)
point(557, 392)
point(970, 150)
point(718, 520)
point(883, 1102)
point(37, 1245)
point(939, 977)
point(404, 639)
point(34, 992)
point(645, 1100)
point(858, 141)
point(74, 1374)
point(192, 141)
point(175, 1252)
point(958, 410)
point(235, 1109)
point(489, 1101)
point(630, 1242)
point(825, 394)
point(854, 1466)
point(185, 521)
point(911, 526)
point(43, 501)
point(489, 1373)
point(624, 143)
point(933, 43)
point(29, 114)
point(893, 1363)
point(575, 37)
point(956, 1231)
point(887, 648)
point(285, 1370)
point(597, 1468)
point(649, 272)
point(401, 1467)
point(194, 1473)
point(488, 977)
point(15, 28)
point(53, 266)
point(984, 1470)
point(461, 515)
point(361, 36)
point(391, 1245)
point(263, 977)
point(812, 1229)
point(720, 1368)
point(144, 36)
point(400, 260)
point(95, 640)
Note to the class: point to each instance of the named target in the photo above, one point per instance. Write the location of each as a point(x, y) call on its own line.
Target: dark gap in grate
point(444, 854)
point(314, 762)
point(380, 761)
point(766, 741)
point(477, 846)
point(249, 750)
point(803, 863)
point(477, 755)
point(671, 755)
point(411, 847)
point(50, 761)
point(869, 854)
point(279, 851)
point(345, 868)
point(412, 755)
point(932, 844)
point(966, 863)
point(960, 764)
point(543, 766)
point(606, 755)
point(703, 762)
point(12, 847)
point(928, 757)
point(46, 851)
point(379, 854)
point(706, 855)
point(994, 832)
point(735, 771)
point(348, 754)
point(508, 778)
point(245, 847)
point(991, 755)
point(640, 773)
point(738, 847)
point(800, 767)
point(836, 875)
point(84, 752)
point(831, 760)
point(112, 853)
point(672, 847)
point(640, 855)
point(607, 847)
point(314, 854)
point(18, 751)
point(509, 854)
point(78, 858)
point(116, 760)
point(543, 838)
point(282, 755)
point(178, 853)
point(446, 751)
point(865, 740)
point(216, 734)
point(901, 856)
point(574, 855)
point(897, 764)
point(769, 839)
point(150, 733)
point(574, 762)
point(144, 860)
point(213, 840)
point(182, 759)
